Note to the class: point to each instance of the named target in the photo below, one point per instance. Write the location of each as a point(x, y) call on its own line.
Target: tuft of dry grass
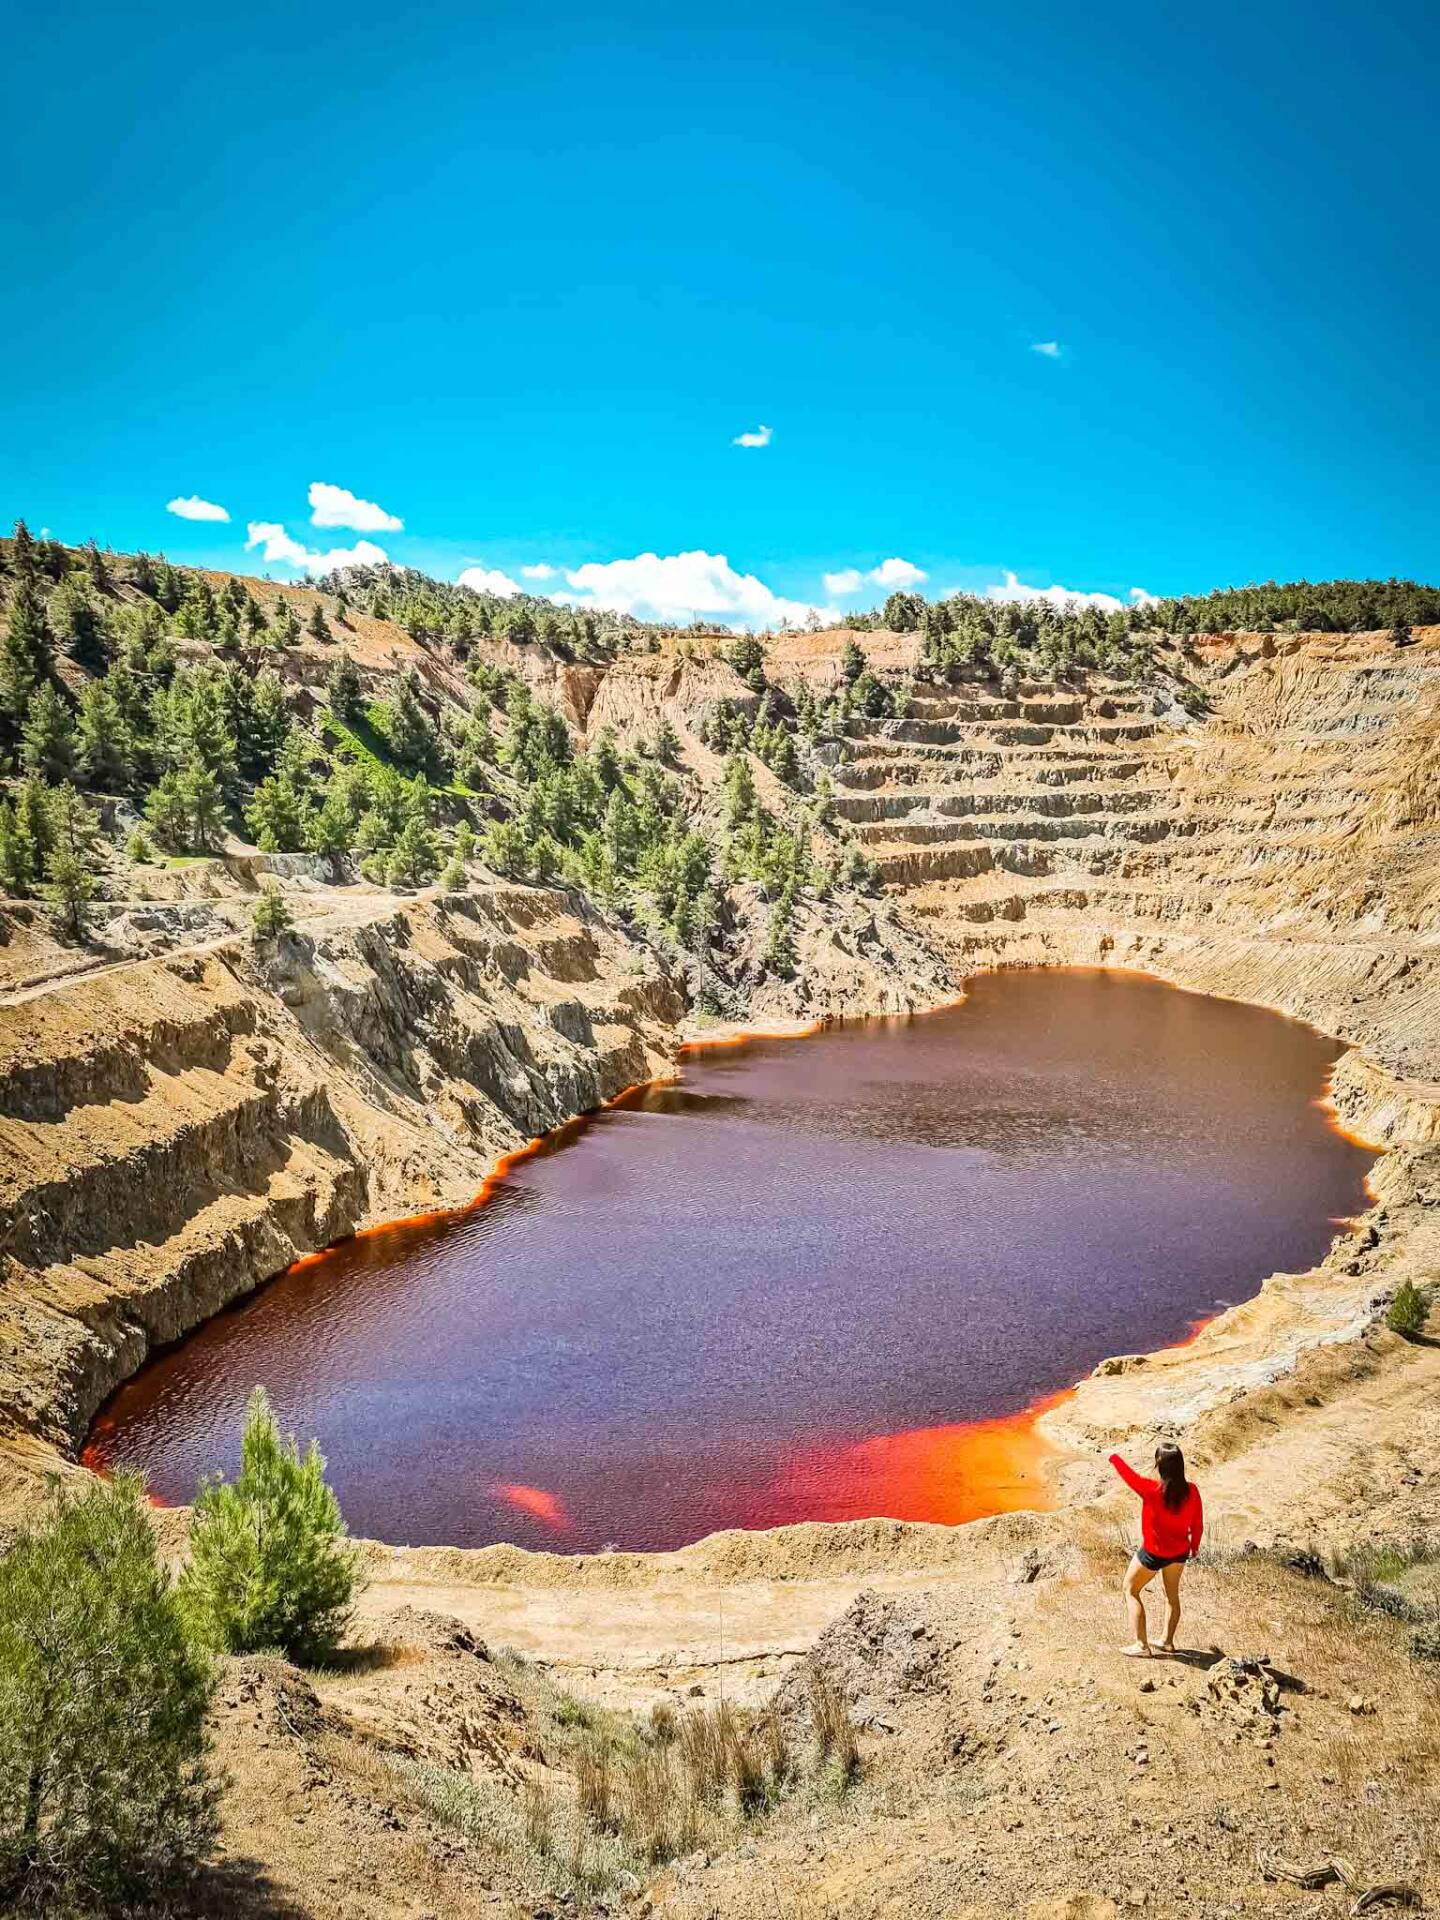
point(652, 1797)
point(835, 1735)
point(703, 1755)
point(777, 1741)
point(595, 1786)
point(537, 1817)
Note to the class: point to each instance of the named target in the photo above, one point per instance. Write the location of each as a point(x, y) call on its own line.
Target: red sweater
point(1167, 1532)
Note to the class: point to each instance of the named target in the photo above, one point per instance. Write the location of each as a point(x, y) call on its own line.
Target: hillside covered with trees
point(154, 715)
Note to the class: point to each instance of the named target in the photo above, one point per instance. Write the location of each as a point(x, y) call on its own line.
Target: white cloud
point(540, 571)
point(757, 437)
point(680, 587)
point(1012, 588)
point(1050, 348)
point(191, 507)
point(338, 507)
point(280, 549)
point(897, 573)
point(490, 580)
point(848, 580)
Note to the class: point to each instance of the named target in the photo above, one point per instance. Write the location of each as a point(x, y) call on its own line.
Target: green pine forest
point(143, 711)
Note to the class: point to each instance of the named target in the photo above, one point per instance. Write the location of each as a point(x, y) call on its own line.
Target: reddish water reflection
point(817, 1279)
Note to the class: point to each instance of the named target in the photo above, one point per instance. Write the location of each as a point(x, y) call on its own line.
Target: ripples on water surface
point(775, 1291)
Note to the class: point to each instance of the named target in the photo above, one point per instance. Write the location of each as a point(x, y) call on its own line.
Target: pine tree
point(268, 722)
point(78, 624)
point(286, 628)
point(29, 839)
point(741, 801)
point(747, 657)
point(104, 743)
point(413, 859)
point(504, 850)
point(18, 858)
point(333, 824)
point(271, 916)
point(1408, 1311)
point(270, 1565)
point(23, 553)
point(405, 724)
point(903, 612)
point(204, 806)
point(852, 662)
point(343, 690)
point(104, 1791)
point(72, 825)
point(69, 884)
point(199, 616)
point(27, 654)
point(167, 812)
point(48, 735)
point(317, 626)
point(278, 815)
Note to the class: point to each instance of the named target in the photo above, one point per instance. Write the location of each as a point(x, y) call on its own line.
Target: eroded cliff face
point(177, 1129)
point(179, 1125)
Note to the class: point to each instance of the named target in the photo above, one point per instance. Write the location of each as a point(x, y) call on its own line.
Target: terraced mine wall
point(1284, 850)
point(177, 1128)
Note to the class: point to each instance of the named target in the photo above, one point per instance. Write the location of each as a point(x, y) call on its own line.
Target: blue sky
point(521, 277)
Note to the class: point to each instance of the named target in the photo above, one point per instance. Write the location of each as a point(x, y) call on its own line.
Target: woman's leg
point(1171, 1576)
point(1137, 1578)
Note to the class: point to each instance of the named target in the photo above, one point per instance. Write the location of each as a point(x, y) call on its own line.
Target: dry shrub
point(663, 1727)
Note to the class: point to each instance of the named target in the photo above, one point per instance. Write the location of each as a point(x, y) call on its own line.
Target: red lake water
point(816, 1279)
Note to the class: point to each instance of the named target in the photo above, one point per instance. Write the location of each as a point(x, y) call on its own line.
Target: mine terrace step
point(1002, 733)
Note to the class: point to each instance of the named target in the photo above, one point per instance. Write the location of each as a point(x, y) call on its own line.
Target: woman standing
point(1171, 1523)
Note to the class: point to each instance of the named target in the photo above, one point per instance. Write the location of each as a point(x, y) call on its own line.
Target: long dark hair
point(1170, 1465)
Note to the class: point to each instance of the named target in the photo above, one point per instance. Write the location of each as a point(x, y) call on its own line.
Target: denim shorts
point(1155, 1561)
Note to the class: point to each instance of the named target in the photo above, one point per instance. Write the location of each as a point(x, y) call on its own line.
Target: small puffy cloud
point(848, 580)
point(757, 437)
point(540, 571)
point(676, 588)
point(490, 580)
point(897, 573)
point(279, 549)
point(191, 507)
point(1013, 588)
point(1049, 348)
point(338, 507)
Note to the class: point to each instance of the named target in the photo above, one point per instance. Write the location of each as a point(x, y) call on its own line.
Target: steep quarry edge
point(1201, 1390)
point(174, 1131)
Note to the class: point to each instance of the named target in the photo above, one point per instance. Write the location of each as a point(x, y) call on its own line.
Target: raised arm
point(1136, 1482)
